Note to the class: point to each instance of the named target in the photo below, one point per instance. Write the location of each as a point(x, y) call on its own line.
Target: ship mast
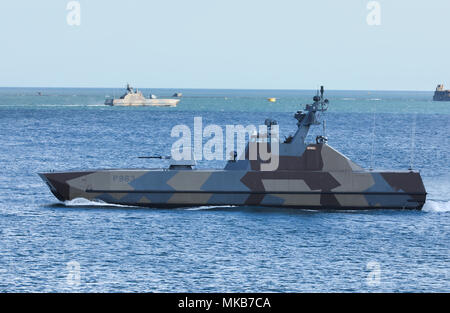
point(308, 117)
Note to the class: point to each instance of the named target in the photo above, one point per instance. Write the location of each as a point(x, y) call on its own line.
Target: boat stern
point(409, 184)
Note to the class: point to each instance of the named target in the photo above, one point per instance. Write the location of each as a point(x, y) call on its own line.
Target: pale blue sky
point(282, 44)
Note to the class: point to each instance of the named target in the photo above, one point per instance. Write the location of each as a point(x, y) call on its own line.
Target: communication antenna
point(373, 136)
point(413, 141)
point(324, 109)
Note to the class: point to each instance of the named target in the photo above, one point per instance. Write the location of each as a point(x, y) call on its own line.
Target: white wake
point(209, 207)
point(82, 202)
point(437, 198)
point(436, 206)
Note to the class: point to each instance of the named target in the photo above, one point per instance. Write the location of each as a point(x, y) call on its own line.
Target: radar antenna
point(310, 116)
point(413, 141)
point(373, 137)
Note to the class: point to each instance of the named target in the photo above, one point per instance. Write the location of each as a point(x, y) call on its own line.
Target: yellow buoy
point(271, 99)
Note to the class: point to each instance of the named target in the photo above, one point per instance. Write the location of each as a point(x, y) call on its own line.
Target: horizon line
point(209, 88)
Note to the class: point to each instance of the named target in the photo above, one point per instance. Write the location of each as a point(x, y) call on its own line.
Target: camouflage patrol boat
point(134, 97)
point(308, 176)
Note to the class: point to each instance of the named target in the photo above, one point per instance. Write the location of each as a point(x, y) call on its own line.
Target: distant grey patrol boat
point(136, 98)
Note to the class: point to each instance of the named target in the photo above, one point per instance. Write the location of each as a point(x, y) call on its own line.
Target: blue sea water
point(45, 244)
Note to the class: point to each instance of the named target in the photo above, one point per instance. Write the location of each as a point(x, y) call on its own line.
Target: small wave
point(209, 207)
point(436, 206)
point(55, 105)
point(82, 202)
point(58, 105)
point(374, 99)
point(348, 99)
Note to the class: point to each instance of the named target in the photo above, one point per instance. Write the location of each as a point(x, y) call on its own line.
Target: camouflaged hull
point(319, 178)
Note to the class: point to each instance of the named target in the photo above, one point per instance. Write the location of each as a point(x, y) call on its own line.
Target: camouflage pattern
point(312, 176)
point(319, 179)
